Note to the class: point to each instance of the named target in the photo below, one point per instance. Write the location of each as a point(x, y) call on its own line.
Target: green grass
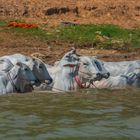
point(101, 36)
point(97, 36)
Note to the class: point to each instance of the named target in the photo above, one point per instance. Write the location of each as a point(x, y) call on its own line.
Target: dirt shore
point(51, 52)
point(124, 13)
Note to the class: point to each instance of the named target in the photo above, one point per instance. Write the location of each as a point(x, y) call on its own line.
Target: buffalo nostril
point(99, 76)
point(51, 80)
point(37, 82)
point(108, 74)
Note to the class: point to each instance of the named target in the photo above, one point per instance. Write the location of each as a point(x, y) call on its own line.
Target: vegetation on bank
point(95, 36)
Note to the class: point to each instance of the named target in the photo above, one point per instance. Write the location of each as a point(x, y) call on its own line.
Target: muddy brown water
point(82, 115)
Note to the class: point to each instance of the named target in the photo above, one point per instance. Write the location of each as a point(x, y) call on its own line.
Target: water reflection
point(87, 114)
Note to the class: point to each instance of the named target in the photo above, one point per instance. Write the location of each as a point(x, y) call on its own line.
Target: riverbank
point(109, 42)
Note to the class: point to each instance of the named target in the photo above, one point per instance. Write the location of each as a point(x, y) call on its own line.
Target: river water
point(84, 115)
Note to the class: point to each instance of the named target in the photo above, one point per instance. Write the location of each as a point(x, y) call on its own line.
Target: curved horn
point(73, 49)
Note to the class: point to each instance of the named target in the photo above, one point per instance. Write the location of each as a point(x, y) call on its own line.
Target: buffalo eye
point(40, 66)
point(26, 69)
point(86, 64)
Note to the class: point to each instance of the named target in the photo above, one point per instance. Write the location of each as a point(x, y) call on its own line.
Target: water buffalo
point(36, 65)
point(18, 79)
point(74, 71)
point(131, 79)
point(123, 67)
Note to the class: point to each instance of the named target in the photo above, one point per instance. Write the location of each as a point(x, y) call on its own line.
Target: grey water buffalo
point(36, 65)
point(18, 79)
point(131, 79)
point(14, 58)
point(123, 67)
point(87, 65)
point(74, 71)
point(41, 73)
point(69, 60)
point(95, 66)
